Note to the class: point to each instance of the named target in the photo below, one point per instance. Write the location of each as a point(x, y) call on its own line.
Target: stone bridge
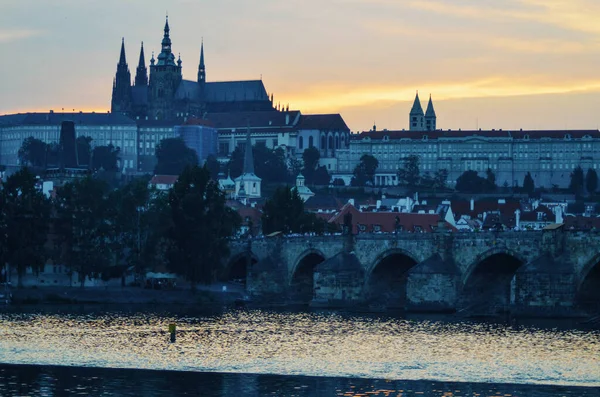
point(550, 271)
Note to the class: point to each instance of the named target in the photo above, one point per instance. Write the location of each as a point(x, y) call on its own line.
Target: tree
point(84, 226)
point(321, 176)
point(128, 211)
point(365, 171)
point(284, 212)
point(339, 182)
point(25, 221)
point(33, 152)
point(270, 164)
point(470, 182)
point(528, 184)
point(310, 158)
point(294, 168)
point(173, 156)
point(577, 181)
point(439, 179)
point(490, 181)
point(201, 226)
point(410, 173)
point(591, 181)
point(106, 158)
point(235, 166)
point(213, 165)
point(84, 150)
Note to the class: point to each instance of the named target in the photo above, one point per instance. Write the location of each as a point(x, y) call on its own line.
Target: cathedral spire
point(166, 57)
point(121, 93)
point(122, 59)
point(141, 74)
point(201, 66)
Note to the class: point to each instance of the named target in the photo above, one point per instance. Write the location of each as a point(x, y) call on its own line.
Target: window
point(300, 143)
point(310, 141)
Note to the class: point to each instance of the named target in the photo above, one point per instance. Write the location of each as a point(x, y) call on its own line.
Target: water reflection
point(312, 344)
point(68, 381)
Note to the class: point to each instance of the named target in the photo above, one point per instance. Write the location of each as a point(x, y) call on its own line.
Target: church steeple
point(121, 94)
point(141, 75)
point(430, 117)
point(201, 66)
point(416, 117)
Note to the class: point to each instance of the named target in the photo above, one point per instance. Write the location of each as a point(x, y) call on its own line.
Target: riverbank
point(125, 295)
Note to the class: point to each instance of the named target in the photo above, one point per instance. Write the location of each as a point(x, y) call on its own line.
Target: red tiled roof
point(534, 134)
point(579, 222)
point(386, 221)
point(164, 179)
point(460, 208)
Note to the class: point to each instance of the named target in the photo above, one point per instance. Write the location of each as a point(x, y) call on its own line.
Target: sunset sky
point(532, 64)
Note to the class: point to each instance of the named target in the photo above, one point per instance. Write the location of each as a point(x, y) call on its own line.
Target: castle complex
point(154, 104)
point(165, 95)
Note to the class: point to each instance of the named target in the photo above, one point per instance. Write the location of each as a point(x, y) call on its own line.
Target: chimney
point(518, 219)
point(472, 205)
point(558, 214)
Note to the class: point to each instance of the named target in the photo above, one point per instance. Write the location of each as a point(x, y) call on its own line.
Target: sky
point(531, 64)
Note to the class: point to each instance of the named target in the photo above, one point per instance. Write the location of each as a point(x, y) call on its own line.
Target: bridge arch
point(387, 277)
point(301, 279)
point(486, 255)
point(488, 283)
point(588, 284)
point(236, 269)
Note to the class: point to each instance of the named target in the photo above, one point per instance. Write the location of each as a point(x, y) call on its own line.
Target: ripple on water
point(306, 344)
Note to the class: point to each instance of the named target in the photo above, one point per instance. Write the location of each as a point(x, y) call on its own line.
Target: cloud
point(334, 98)
point(576, 15)
point(10, 35)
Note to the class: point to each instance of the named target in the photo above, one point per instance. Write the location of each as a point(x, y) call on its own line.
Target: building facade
point(200, 136)
point(550, 156)
point(103, 128)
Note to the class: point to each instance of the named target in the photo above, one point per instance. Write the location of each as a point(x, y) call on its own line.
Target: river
point(261, 352)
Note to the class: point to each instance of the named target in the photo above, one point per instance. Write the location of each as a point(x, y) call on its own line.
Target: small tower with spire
point(248, 184)
point(202, 67)
point(430, 117)
point(416, 117)
point(141, 73)
point(121, 94)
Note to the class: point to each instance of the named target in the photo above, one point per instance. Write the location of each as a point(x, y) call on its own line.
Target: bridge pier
point(432, 285)
point(545, 286)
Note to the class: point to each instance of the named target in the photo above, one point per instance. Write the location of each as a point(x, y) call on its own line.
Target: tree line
point(97, 231)
point(38, 154)
point(271, 165)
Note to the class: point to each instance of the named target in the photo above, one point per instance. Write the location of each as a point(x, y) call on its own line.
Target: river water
point(290, 353)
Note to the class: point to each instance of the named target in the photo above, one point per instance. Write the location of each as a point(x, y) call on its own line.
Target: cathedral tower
point(121, 93)
point(417, 117)
point(430, 117)
point(141, 74)
point(165, 78)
